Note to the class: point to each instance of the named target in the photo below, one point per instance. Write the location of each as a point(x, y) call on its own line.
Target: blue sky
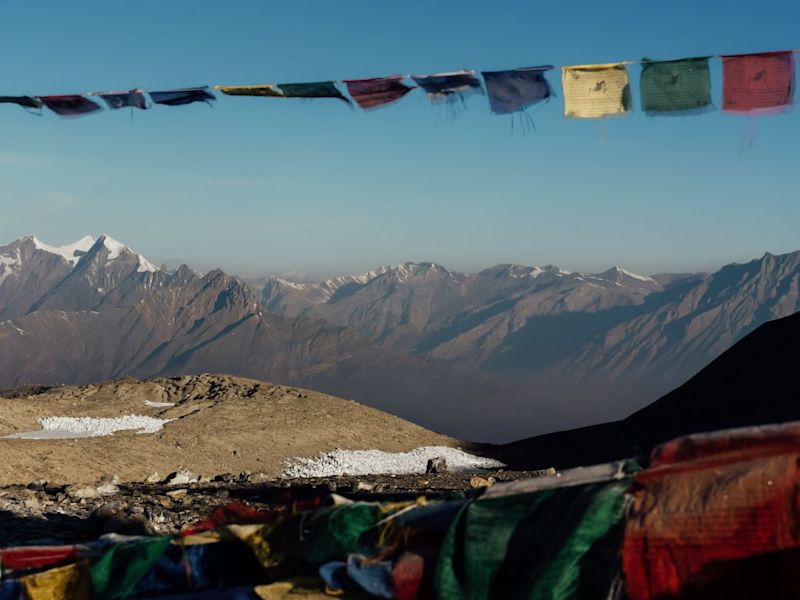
point(268, 186)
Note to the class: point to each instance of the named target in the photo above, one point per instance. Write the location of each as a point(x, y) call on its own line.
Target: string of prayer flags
point(378, 91)
point(753, 83)
point(264, 90)
point(449, 87)
point(72, 105)
point(183, 96)
point(675, 86)
point(23, 101)
point(596, 91)
point(130, 99)
point(316, 89)
point(759, 83)
point(517, 89)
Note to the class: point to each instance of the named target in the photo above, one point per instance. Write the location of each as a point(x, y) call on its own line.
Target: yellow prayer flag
point(307, 588)
point(594, 91)
point(64, 583)
point(255, 536)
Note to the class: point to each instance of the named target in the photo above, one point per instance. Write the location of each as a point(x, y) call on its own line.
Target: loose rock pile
point(44, 513)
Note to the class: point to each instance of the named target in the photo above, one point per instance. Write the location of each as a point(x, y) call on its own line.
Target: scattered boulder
point(178, 494)
point(182, 476)
point(363, 486)
point(436, 465)
point(154, 478)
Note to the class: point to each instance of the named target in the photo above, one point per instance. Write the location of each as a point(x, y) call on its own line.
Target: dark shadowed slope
point(753, 383)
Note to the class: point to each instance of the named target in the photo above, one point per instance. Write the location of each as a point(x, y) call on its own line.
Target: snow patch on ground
point(377, 462)
point(82, 427)
point(152, 404)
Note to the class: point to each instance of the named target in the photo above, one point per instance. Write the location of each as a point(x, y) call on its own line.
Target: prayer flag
point(23, 101)
point(70, 106)
point(757, 82)
point(669, 86)
point(379, 91)
point(317, 89)
point(515, 90)
point(249, 90)
point(594, 91)
point(183, 96)
point(130, 99)
point(62, 583)
point(449, 87)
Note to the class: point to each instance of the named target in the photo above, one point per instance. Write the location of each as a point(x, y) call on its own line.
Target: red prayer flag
point(715, 516)
point(757, 82)
point(36, 557)
point(371, 93)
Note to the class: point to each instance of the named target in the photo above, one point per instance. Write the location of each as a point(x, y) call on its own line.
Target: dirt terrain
point(221, 424)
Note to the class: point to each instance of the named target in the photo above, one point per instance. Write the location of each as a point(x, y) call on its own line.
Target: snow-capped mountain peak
point(617, 274)
point(116, 249)
point(70, 252)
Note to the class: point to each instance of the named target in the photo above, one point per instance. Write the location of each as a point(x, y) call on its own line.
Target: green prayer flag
point(317, 89)
point(556, 544)
point(675, 85)
point(334, 532)
point(118, 571)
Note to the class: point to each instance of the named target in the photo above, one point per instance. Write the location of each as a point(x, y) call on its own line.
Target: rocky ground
point(48, 513)
point(84, 487)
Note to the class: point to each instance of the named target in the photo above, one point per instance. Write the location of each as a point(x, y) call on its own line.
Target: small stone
point(107, 489)
point(364, 486)
point(480, 482)
point(156, 514)
point(106, 511)
point(436, 465)
point(132, 525)
point(32, 503)
point(178, 494)
point(258, 478)
point(154, 478)
point(82, 492)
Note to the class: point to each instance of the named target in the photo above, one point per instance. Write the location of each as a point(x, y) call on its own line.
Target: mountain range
point(603, 344)
point(491, 356)
point(95, 310)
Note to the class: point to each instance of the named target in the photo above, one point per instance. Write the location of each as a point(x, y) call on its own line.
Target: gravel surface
point(377, 462)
